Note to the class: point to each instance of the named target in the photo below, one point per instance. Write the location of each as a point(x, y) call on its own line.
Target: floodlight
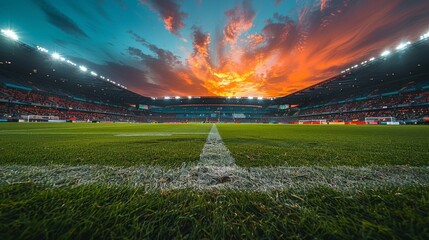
point(42, 49)
point(83, 68)
point(189, 97)
point(166, 97)
point(403, 46)
point(56, 56)
point(260, 98)
point(94, 74)
point(424, 36)
point(385, 53)
point(62, 59)
point(177, 97)
point(372, 59)
point(250, 98)
point(10, 34)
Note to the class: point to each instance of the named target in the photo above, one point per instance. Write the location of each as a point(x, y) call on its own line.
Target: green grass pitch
point(30, 210)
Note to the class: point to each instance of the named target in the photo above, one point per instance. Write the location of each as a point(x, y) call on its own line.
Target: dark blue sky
point(216, 47)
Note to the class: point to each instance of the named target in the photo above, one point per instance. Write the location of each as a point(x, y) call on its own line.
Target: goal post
point(377, 120)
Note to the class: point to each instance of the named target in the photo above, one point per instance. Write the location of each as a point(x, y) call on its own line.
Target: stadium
point(84, 155)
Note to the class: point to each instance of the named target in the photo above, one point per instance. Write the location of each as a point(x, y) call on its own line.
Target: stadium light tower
point(10, 34)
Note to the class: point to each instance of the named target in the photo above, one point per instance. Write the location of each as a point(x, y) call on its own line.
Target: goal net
point(313, 121)
point(376, 120)
point(39, 118)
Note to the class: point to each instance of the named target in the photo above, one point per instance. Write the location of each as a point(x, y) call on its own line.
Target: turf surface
point(31, 210)
point(88, 143)
point(34, 212)
point(326, 145)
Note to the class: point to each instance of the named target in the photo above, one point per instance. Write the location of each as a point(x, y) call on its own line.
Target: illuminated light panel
point(83, 68)
point(42, 49)
point(56, 56)
point(403, 46)
point(10, 34)
point(424, 36)
point(385, 53)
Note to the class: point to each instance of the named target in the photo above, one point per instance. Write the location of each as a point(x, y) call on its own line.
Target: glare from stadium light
point(56, 56)
point(62, 59)
point(403, 46)
point(424, 36)
point(355, 66)
point(177, 97)
point(83, 68)
point(189, 97)
point(250, 97)
point(372, 59)
point(385, 53)
point(228, 97)
point(260, 98)
point(94, 73)
point(166, 97)
point(10, 34)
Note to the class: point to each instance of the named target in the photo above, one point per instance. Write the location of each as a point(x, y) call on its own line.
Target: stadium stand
point(35, 87)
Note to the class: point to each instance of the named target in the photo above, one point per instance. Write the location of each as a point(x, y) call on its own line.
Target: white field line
point(217, 170)
point(214, 152)
point(216, 178)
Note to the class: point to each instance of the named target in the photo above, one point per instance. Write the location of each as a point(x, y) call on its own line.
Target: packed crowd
point(8, 111)
point(401, 114)
point(379, 106)
point(63, 107)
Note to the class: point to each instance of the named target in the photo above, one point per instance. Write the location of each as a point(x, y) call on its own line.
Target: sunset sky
point(216, 47)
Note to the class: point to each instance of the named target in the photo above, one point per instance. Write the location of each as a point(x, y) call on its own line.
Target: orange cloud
point(169, 11)
point(290, 55)
point(286, 55)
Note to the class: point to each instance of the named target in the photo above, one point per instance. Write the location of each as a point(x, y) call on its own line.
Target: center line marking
point(214, 152)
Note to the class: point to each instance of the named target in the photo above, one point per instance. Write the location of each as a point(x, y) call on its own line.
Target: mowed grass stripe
point(326, 145)
point(97, 146)
point(219, 177)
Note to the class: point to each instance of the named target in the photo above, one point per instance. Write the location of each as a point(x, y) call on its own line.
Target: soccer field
point(203, 181)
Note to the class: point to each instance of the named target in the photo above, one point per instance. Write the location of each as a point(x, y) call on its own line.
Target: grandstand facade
point(35, 87)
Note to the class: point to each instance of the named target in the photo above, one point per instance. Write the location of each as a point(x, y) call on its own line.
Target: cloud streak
point(59, 20)
point(169, 11)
